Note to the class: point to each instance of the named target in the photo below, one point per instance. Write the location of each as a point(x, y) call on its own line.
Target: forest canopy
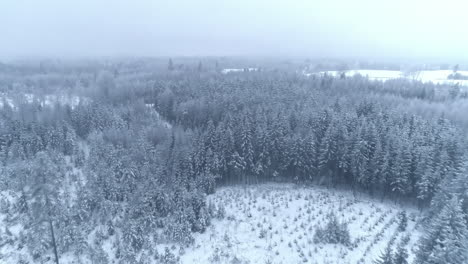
point(134, 146)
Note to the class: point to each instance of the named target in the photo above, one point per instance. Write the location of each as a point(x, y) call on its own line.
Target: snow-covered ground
point(276, 223)
point(10, 251)
point(46, 100)
point(13, 244)
point(271, 223)
point(225, 71)
point(436, 76)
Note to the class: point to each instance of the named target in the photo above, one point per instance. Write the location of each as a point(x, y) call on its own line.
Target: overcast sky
point(351, 28)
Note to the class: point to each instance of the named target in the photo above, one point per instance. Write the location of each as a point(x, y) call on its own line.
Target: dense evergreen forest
point(135, 146)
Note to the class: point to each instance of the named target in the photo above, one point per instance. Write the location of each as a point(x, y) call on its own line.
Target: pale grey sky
point(351, 28)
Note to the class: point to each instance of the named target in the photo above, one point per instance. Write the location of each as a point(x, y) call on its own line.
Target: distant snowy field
point(275, 223)
point(45, 100)
point(233, 70)
point(436, 77)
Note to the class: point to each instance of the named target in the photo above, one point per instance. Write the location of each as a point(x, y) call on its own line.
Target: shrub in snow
point(227, 240)
point(403, 221)
point(219, 255)
point(212, 209)
point(145, 259)
point(221, 213)
point(334, 232)
point(98, 255)
point(134, 236)
point(22, 205)
point(202, 222)
point(110, 228)
point(207, 183)
point(168, 257)
point(386, 257)
point(4, 206)
point(405, 239)
point(178, 229)
point(401, 255)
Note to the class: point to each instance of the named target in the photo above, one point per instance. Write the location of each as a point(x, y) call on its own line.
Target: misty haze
point(240, 132)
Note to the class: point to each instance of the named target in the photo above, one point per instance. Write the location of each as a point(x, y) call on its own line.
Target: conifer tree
point(446, 236)
point(386, 257)
point(401, 255)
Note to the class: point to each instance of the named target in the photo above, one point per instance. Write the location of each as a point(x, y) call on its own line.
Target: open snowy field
point(436, 76)
point(233, 70)
point(276, 223)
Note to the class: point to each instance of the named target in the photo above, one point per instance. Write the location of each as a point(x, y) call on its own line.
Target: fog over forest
point(358, 29)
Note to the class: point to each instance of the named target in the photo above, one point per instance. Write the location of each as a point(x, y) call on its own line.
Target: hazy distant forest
point(135, 146)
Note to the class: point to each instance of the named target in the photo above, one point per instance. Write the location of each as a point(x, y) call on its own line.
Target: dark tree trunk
point(53, 241)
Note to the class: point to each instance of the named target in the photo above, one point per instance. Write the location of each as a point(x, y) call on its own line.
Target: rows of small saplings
point(306, 217)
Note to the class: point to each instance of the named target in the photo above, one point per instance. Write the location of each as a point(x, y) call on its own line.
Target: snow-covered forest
point(186, 160)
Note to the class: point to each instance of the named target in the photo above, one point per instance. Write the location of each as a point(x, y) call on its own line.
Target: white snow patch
point(287, 217)
point(232, 70)
point(46, 100)
point(270, 223)
point(435, 76)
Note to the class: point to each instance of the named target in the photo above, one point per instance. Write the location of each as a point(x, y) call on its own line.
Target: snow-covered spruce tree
point(400, 181)
point(45, 205)
point(238, 166)
point(206, 182)
point(402, 221)
point(334, 232)
point(168, 257)
point(310, 157)
point(177, 227)
point(221, 211)
point(133, 235)
point(446, 237)
point(401, 255)
point(386, 257)
point(246, 148)
point(360, 160)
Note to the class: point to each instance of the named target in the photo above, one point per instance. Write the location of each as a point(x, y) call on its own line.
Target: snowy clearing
point(45, 100)
point(276, 223)
point(436, 76)
point(272, 223)
point(225, 71)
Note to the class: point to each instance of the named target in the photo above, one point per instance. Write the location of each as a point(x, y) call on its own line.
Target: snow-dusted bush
point(178, 230)
point(334, 232)
point(168, 257)
point(134, 236)
point(403, 221)
point(207, 183)
point(221, 212)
